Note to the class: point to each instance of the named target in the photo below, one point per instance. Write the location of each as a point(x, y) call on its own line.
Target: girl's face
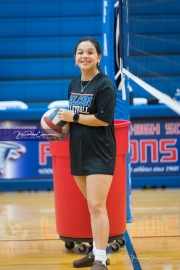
point(86, 56)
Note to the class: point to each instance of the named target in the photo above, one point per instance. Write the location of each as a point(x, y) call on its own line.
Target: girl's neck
point(87, 76)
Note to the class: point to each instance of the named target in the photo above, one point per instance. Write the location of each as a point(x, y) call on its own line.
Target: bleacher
point(37, 40)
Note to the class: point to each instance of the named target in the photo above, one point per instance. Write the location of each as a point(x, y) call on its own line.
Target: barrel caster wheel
point(69, 245)
point(115, 247)
point(82, 248)
point(121, 242)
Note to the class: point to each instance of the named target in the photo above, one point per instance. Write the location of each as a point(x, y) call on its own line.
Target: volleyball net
point(141, 54)
point(149, 46)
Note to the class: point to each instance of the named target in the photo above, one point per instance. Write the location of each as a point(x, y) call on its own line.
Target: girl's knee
point(96, 208)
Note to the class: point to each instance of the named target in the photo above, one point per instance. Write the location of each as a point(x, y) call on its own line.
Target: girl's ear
point(75, 60)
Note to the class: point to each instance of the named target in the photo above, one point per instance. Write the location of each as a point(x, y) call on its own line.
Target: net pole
point(124, 54)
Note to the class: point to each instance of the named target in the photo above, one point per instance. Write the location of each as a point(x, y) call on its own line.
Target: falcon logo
point(10, 151)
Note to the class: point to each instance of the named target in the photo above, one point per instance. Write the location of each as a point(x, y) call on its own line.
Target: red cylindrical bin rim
point(121, 123)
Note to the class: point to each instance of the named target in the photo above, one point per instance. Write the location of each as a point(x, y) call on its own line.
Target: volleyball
point(53, 128)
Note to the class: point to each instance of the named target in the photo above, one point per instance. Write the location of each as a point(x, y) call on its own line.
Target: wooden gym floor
point(28, 238)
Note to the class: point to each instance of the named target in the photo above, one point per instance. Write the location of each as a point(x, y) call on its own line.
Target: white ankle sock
point(94, 248)
point(101, 256)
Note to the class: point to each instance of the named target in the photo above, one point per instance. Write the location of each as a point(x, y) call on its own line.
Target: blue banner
point(24, 151)
point(155, 147)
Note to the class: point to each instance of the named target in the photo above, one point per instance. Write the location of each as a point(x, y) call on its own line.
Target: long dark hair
point(94, 42)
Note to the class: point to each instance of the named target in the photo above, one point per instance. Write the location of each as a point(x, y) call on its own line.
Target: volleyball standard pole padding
point(109, 62)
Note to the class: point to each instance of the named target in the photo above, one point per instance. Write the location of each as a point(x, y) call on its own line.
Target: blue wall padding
point(52, 26)
point(31, 90)
point(29, 68)
point(40, 46)
point(151, 111)
point(49, 8)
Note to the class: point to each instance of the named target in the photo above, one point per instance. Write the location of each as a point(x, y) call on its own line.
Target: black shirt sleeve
point(106, 103)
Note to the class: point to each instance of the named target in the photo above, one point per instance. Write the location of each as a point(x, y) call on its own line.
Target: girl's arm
point(84, 119)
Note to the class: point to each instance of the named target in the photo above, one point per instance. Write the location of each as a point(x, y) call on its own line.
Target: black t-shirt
point(93, 149)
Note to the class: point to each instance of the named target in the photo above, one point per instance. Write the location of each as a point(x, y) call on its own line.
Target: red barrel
point(72, 215)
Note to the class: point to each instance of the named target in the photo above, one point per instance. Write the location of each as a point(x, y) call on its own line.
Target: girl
point(92, 143)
